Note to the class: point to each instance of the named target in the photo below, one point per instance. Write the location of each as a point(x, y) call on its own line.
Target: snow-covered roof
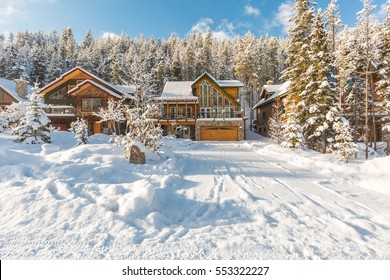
point(177, 90)
point(229, 83)
point(96, 85)
point(123, 88)
point(280, 91)
point(10, 87)
point(120, 88)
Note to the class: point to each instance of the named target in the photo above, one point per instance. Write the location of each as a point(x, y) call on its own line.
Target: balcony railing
point(59, 110)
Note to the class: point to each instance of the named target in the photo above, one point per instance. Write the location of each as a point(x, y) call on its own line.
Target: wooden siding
point(5, 98)
point(90, 91)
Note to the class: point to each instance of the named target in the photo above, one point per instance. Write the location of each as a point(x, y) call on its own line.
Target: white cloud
point(283, 16)
point(225, 30)
point(252, 11)
point(11, 8)
point(202, 25)
point(380, 15)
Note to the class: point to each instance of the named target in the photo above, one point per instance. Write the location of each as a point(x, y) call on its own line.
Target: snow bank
point(198, 200)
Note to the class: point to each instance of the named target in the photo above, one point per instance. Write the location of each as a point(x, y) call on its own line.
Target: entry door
point(96, 127)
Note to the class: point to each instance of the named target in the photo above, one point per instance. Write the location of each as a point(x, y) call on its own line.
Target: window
point(205, 113)
point(205, 94)
point(59, 94)
point(217, 98)
point(264, 115)
point(1, 96)
point(173, 112)
point(91, 104)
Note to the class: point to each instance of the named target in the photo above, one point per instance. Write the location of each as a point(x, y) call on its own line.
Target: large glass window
point(91, 104)
point(59, 94)
point(205, 94)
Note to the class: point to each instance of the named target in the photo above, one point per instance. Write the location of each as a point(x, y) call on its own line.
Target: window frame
point(92, 109)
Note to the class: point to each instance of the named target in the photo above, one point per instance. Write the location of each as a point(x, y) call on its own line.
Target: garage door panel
point(229, 133)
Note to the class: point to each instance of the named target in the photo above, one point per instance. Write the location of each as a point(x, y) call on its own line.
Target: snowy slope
point(205, 200)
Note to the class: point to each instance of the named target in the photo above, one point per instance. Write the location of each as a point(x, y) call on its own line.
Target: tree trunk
point(323, 142)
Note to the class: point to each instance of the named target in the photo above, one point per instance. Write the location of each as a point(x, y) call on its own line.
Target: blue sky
point(158, 17)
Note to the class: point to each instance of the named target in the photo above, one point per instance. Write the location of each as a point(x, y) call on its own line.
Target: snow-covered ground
point(201, 200)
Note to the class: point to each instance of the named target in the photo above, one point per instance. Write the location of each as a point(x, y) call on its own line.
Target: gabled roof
point(278, 91)
point(80, 85)
point(121, 90)
point(221, 83)
point(10, 87)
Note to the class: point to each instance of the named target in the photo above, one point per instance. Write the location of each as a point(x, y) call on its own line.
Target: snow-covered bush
point(4, 124)
point(80, 128)
point(33, 128)
point(15, 112)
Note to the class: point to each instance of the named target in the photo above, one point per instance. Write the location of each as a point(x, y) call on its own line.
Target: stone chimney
point(21, 87)
point(270, 83)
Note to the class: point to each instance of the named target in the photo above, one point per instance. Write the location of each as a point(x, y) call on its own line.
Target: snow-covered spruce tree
point(333, 25)
point(80, 128)
point(343, 66)
point(275, 131)
point(365, 22)
point(343, 146)
point(318, 98)
point(291, 131)
point(355, 97)
point(33, 128)
point(383, 85)
point(297, 66)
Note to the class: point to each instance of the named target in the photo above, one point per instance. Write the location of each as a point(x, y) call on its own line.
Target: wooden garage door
point(225, 133)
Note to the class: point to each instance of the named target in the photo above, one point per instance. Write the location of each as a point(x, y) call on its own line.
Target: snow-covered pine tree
point(297, 66)
point(383, 58)
point(355, 97)
point(291, 131)
point(318, 98)
point(275, 123)
point(33, 128)
point(15, 112)
point(343, 146)
point(80, 128)
point(343, 65)
point(365, 19)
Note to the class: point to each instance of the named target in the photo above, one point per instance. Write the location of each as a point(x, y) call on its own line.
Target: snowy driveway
point(208, 200)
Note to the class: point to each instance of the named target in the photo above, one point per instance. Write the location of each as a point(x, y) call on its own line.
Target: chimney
point(21, 87)
point(270, 83)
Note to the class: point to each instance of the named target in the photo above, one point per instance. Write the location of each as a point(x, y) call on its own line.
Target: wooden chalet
point(270, 94)
point(13, 91)
point(78, 93)
point(204, 109)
